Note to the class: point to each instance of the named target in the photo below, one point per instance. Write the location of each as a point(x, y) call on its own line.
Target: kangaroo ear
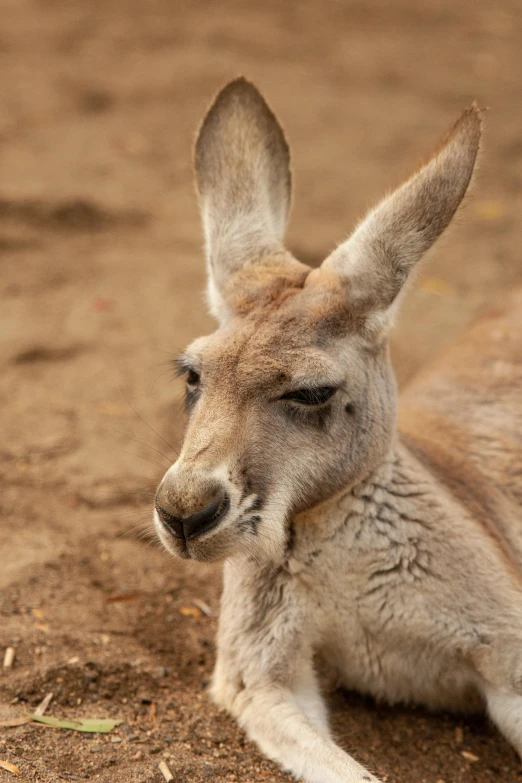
point(375, 261)
point(243, 180)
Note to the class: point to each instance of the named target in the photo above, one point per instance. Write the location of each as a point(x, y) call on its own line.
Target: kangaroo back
point(462, 416)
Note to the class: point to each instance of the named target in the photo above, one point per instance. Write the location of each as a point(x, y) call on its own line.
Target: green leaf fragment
point(82, 724)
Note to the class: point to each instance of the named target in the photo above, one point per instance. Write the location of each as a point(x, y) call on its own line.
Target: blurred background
point(101, 280)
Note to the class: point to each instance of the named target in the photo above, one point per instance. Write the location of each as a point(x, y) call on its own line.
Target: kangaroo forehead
point(261, 350)
point(268, 283)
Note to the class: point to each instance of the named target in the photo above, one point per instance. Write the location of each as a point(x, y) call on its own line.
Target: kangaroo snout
point(188, 504)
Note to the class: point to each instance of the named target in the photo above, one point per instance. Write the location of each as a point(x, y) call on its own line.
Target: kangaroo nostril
point(202, 521)
point(172, 523)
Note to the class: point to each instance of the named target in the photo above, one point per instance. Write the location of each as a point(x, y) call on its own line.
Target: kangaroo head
point(293, 397)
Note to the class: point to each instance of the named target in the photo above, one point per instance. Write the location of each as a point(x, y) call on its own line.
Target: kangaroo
point(389, 544)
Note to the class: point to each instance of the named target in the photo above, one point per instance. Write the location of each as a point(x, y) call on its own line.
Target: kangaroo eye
point(193, 378)
point(316, 396)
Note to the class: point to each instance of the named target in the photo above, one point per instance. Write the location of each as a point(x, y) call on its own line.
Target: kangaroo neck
point(397, 489)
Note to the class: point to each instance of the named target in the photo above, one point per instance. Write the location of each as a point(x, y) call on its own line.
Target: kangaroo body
point(389, 580)
point(395, 554)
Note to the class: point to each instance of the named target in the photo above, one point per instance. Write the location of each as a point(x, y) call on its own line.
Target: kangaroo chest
point(374, 629)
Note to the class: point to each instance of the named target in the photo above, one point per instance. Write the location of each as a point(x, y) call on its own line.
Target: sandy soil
point(101, 275)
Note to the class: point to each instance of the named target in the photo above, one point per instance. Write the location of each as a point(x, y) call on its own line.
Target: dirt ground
point(101, 274)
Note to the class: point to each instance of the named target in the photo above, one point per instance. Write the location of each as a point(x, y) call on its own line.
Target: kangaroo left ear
point(243, 179)
point(375, 261)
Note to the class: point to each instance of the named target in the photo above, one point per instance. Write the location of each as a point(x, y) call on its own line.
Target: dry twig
point(9, 657)
point(165, 771)
point(40, 710)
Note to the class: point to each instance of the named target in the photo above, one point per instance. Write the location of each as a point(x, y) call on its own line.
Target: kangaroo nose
point(188, 528)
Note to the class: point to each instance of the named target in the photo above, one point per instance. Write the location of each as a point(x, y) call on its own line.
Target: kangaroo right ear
point(243, 180)
point(373, 264)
